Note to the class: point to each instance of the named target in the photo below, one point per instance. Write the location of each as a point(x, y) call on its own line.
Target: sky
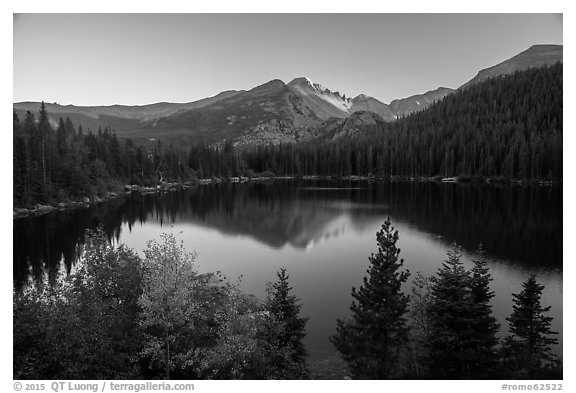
point(136, 59)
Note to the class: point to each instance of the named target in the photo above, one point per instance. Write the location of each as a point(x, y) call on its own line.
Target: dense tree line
point(207, 161)
point(55, 164)
point(445, 330)
point(508, 126)
point(121, 316)
point(66, 163)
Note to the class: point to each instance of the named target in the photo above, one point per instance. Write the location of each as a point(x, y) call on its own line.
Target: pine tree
point(452, 336)
point(372, 341)
point(527, 351)
point(484, 324)
point(35, 190)
point(284, 308)
point(44, 130)
point(19, 160)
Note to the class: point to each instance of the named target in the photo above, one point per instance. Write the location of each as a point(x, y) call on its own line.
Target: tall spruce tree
point(462, 342)
point(19, 161)
point(44, 130)
point(284, 307)
point(527, 352)
point(452, 337)
point(484, 324)
point(372, 341)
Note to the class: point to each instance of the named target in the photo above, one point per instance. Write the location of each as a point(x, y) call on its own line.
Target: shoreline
point(86, 202)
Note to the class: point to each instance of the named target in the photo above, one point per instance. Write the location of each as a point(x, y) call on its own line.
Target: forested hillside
point(507, 127)
point(56, 165)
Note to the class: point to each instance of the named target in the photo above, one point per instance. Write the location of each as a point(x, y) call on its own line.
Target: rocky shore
point(41, 209)
point(85, 202)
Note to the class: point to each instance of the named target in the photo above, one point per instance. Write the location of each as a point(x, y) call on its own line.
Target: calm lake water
point(323, 233)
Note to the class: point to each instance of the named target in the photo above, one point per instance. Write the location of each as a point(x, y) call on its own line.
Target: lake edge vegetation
point(153, 318)
point(451, 332)
point(132, 318)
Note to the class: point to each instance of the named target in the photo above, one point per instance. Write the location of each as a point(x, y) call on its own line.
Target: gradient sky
point(134, 59)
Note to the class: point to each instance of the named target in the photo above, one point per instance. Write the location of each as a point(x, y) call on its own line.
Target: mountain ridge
point(274, 111)
point(535, 56)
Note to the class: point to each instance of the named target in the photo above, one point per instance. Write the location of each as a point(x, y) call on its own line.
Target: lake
point(322, 232)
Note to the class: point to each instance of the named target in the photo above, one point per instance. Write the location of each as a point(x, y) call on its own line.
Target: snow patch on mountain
point(305, 87)
point(337, 101)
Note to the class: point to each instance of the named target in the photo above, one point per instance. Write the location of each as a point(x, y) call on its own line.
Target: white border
point(304, 6)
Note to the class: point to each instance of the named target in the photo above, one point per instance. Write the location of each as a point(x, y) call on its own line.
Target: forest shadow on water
point(521, 225)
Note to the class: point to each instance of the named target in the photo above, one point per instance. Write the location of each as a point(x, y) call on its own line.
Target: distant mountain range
point(273, 112)
point(405, 106)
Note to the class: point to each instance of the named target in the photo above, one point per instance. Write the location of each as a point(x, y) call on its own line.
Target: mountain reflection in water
point(519, 224)
point(323, 233)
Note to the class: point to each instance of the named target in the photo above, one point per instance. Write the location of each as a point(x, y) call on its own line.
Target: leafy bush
point(120, 316)
point(82, 325)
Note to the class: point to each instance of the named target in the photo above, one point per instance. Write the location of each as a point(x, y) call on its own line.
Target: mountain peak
point(273, 82)
point(302, 81)
point(362, 97)
point(275, 85)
